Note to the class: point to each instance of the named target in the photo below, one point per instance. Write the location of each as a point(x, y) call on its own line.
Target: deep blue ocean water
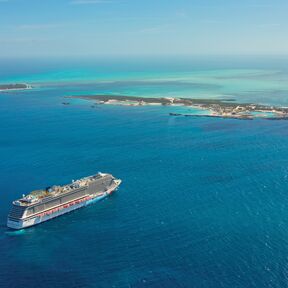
point(203, 202)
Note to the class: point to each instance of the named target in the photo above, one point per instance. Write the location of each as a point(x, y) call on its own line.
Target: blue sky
point(149, 27)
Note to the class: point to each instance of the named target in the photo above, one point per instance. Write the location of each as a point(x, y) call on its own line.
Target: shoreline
point(14, 86)
point(217, 108)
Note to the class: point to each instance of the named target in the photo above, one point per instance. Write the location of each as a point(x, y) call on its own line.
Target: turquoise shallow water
point(202, 204)
point(259, 80)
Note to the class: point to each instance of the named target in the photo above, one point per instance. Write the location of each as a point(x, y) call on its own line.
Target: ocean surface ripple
point(202, 204)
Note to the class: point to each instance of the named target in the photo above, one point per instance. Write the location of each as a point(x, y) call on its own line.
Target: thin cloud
point(38, 26)
point(261, 6)
point(156, 29)
point(83, 2)
point(211, 21)
point(181, 14)
point(13, 41)
point(269, 25)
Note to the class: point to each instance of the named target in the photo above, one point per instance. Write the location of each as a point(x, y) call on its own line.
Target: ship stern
point(14, 224)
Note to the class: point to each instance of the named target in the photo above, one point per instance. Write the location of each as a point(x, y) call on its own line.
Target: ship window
point(30, 211)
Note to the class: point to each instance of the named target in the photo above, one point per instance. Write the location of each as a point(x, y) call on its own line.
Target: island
point(221, 108)
point(14, 86)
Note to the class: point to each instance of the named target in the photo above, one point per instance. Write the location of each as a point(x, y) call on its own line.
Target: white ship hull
point(58, 210)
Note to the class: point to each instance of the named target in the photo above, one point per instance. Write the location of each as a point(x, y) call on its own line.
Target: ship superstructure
point(42, 205)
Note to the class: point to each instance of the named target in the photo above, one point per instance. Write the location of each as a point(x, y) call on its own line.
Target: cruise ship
point(42, 205)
